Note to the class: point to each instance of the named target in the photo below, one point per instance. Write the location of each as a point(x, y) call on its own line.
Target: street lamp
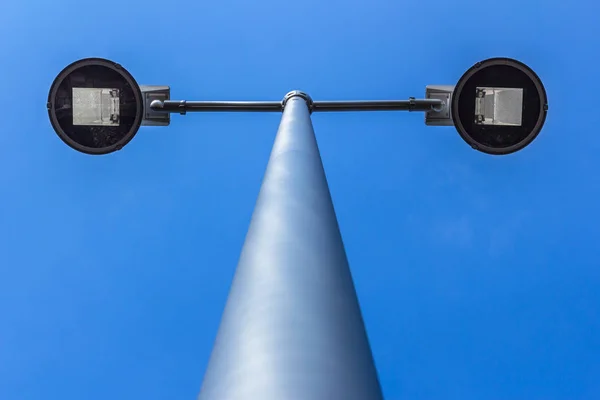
point(292, 326)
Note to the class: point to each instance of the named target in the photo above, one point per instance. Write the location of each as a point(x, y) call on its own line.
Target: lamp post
point(292, 327)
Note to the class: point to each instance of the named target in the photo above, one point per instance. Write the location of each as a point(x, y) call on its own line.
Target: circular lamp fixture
point(95, 106)
point(499, 106)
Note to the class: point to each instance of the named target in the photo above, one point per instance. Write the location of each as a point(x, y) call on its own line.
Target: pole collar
point(298, 93)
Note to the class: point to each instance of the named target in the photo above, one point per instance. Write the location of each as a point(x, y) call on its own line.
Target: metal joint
point(182, 107)
point(298, 93)
point(411, 104)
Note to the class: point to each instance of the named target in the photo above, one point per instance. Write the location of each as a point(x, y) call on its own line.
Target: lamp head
point(499, 106)
point(95, 106)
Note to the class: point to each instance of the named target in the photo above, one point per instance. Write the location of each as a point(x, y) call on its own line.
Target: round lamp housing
point(95, 106)
point(499, 106)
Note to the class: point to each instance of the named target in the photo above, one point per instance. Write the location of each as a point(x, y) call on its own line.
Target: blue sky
point(478, 276)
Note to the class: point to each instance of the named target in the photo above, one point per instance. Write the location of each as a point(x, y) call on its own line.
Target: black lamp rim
point(537, 127)
point(125, 74)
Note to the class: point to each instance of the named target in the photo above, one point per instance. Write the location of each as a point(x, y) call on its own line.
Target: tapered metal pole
point(292, 327)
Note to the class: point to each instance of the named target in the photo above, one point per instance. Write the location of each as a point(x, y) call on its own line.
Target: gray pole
point(292, 327)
